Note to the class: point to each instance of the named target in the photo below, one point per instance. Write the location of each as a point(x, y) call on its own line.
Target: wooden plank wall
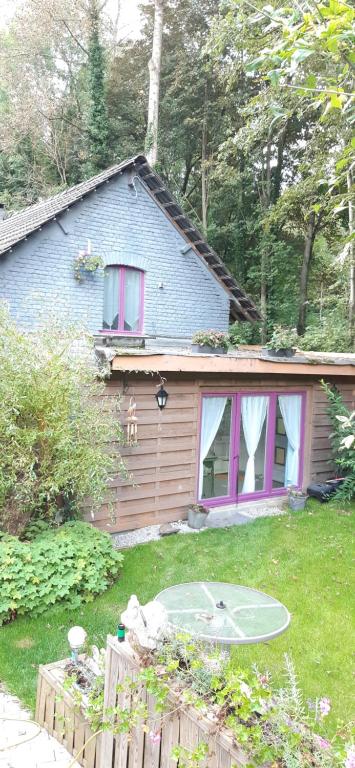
point(163, 465)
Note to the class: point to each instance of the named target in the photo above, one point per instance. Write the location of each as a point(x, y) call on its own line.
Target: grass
point(303, 559)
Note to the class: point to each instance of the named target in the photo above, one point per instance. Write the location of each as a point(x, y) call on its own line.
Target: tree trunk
point(352, 261)
point(154, 85)
point(204, 181)
point(265, 201)
point(307, 258)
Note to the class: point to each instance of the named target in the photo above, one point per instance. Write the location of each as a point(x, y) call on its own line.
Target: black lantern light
point(161, 397)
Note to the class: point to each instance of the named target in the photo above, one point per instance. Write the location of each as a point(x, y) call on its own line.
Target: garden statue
point(147, 625)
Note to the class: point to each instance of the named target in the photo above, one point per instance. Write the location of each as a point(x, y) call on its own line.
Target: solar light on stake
point(76, 639)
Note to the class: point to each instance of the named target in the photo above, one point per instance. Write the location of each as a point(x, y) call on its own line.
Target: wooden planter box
point(55, 711)
point(185, 727)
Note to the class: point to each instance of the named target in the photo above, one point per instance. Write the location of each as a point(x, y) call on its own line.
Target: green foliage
point(86, 262)
point(282, 338)
point(54, 425)
point(343, 448)
point(269, 724)
point(211, 338)
point(244, 333)
point(331, 334)
point(70, 564)
point(187, 758)
point(97, 127)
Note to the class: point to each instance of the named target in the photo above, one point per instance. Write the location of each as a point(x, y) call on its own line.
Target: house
point(236, 428)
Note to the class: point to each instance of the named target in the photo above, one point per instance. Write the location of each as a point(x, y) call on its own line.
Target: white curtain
point(290, 407)
point(111, 298)
point(254, 409)
point(132, 299)
point(212, 413)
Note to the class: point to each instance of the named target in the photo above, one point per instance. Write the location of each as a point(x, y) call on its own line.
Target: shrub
point(282, 338)
point(330, 335)
point(244, 333)
point(54, 425)
point(342, 445)
point(70, 564)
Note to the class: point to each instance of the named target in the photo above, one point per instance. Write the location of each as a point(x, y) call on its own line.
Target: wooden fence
point(151, 747)
point(149, 744)
point(56, 712)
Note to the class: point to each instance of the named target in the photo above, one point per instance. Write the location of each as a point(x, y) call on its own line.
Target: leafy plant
point(211, 338)
point(282, 338)
point(87, 261)
point(343, 441)
point(70, 564)
point(54, 425)
point(244, 333)
point(271, 725)
point(330, 335)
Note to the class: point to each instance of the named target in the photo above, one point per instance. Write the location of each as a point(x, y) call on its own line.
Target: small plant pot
point(297, 503)
point(197, 516)
point(284, 352)
point(206, 349)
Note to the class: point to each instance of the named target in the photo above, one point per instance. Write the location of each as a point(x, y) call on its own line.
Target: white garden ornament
point(147, 625)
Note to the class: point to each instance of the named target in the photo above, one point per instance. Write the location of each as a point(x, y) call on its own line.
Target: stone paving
point(41, 752)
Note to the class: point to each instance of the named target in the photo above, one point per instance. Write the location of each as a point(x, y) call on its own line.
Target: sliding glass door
point(251, 445)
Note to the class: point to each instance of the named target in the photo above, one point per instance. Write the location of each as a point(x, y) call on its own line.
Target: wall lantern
point(161, 397)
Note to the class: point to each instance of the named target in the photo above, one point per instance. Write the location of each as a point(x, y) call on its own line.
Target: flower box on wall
point(210, 342)
point(206, 349)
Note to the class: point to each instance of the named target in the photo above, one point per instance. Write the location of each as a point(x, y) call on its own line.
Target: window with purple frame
point(123, 299)
point(251, 444)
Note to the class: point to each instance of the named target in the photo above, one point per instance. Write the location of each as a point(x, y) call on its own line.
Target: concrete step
point(222, 518)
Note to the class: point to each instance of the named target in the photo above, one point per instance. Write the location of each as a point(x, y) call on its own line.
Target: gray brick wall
point(125, 226)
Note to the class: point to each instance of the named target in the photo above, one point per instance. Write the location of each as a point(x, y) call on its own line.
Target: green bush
point(55, 425)
point(244, 333)
point(330, 335)
point(71, 564)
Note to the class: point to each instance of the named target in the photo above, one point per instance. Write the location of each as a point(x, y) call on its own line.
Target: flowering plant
point(85, 260)
point(273, 726)
point(211, 338)
point(282, 338)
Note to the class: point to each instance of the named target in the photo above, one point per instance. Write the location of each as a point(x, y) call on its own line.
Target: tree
point(97, 126)
point(154, 85)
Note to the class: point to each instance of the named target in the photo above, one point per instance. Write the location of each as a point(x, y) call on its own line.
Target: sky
point(130, 19)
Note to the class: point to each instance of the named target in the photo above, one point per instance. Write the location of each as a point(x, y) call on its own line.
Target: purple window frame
point(121, 298)
point(234, 445)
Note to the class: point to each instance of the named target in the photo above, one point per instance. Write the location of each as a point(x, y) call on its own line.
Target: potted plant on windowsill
point(210, 342)
point(296, 498)
point(282, 342)
point(197, 515)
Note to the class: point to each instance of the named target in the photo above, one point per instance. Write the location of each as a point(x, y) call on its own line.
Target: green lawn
point(304, 560)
